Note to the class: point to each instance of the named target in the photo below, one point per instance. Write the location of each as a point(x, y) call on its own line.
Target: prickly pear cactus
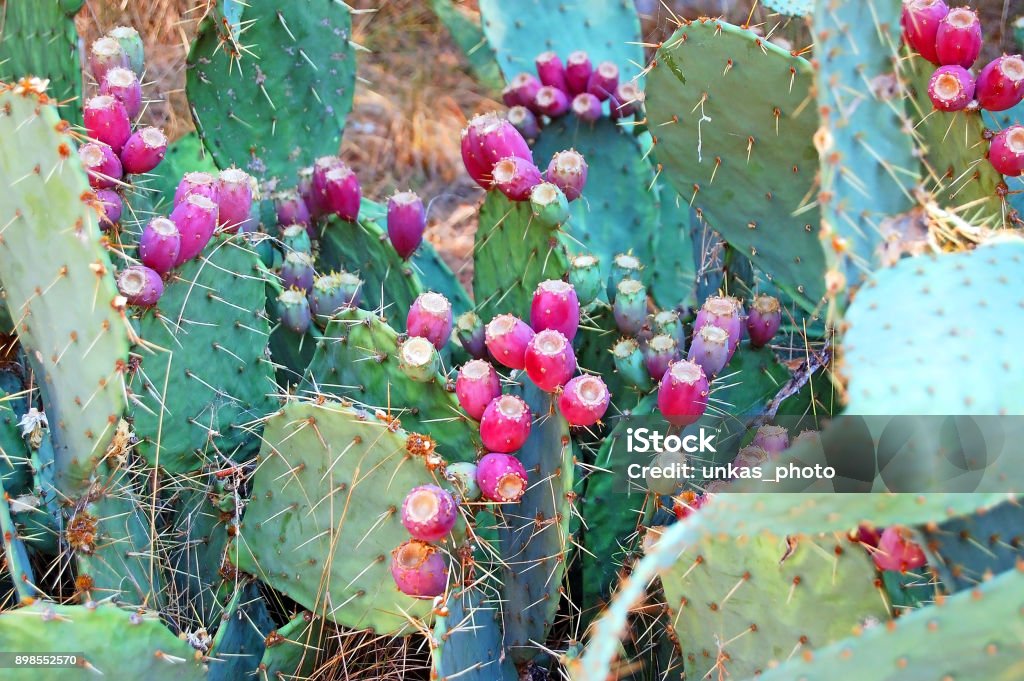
point(64, 302)
point(39, 39)
point(468, 639)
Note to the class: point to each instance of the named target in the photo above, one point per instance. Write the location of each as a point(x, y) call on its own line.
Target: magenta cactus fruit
point(429, 513)
point(525, 87)
point(140, 285)
point(485, 141)
point(101, 164)
point(407, 220)
point(577, 72)
point(510, 97)
point(555, 306)
point(291, 209)
point(958, 39)
point(710, 349)
point(196, 219)
point(764, 320)
point(144, 150)
point(683, 393)
point(584, 400)
point(568, 171)
point(112, 205)
point(505, 424)
point(419, 569)
point(124, 86)
point(552, 102)
point(106, 121)
point(1000, 85)
point(501, 478)
point(342, 193)
point(772, 439)
point(897, 551)
point(626, 100)
point(587, 107)
point(1006, 152)
point(317, 194)
point(160, 245)
point(525, 122)
point(951, 88)
point(725, 313)
point(660, 352)
point(550, 360)
point(603, 80)
point(476, 387)
point(506, 337)
point(203, 184)
point(297, 271)
point(920, 22)
point(551, 71)
point(515, 177)
point(234, 198)
point(105, 54)
point(430, 317)
point(294, 311)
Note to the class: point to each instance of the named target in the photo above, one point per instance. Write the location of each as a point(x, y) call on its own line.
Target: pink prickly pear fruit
point(321, 167)
point(584, 400)
point(1000, 85)
point(140, 285)
point(552, 102)
point(510, 97)
point(499, 139)
point(196, 219)
point(555, 306)
point(515, 177)
point(587, 107)
point(476, 387)
point(920, 22)
point(568, 171)
point(525, 122)
point(307, 193)
point(764, 320)
point(710, 349)
point(725, 313)
point(291, 209)
point(683, 393)
point(501, 478)
point(958, 40)
point(429, 513)
point(407, 221)
point(112, 205)
point(505, 424)
point(551, 71)
point(234, 198)
point(506, 338)
point(419, 569)
point(577, 72)
point(106, 120)
point(203, 184)
point(550, 360)
point(772, 439)
point(105, 54)
point(342, 193)
point(603, 80)
point(660, 352)
point(868, 535)
point(430, 317)
point(297, 271)
point(897, 551)
point(476, 165)
point(1006, 152)
point(160, 245)
point(626, 100)
point(525, 87)
point(124, 86)
point(144, 150)
point(101, 164)
point(470, 332)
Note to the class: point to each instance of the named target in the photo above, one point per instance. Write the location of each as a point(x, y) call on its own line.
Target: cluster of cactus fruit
point(219, 441)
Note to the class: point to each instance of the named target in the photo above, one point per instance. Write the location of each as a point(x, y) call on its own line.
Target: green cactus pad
point(273, 98)
point(973, 635)
point(14, 452)
point(40, 39)
point(323, 518)
point(468, 35)
point(200, 537)
point(468, 640)
point(214, 376)
point(513, 253)
point(240, 641)
point(906, 591)
point(870, 167)
point(63, 299)
point(519, 31)
point(106, 639)
point(733, 115)
point(791, 8)
point(969, 549)
point(16, 563)
point(293, 650)
point(534, 534)
point(357, 359)
point(930, 316)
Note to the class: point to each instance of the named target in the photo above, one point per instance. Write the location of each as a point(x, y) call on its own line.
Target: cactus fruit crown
point(550, 342)
point(629, 286)
point(121, 32)
point(1015, 139)
point(91, 155)
point(543, 194)
point(624, 347)
point(121, 77)
point(434, 303)
point(948, 87)
point(590, 390)
point(766, 304)
point(500, 325)
point(475, 369)
point(417, 351)
point(406, 198)
point(163, 226)
point(664, 317)
point(511, 407)
point(154, 137)
point(413, 554)
point(568, 161)
point(687, 372)
point(504, 170)
point(721, 306)
point(713, 334)
point(422, 504)
point(132, 281)
point(625, 261)
point(1012, 67)
point(292, 296)
point(664, 342)
point(962, 17)
point(554, 286)
point(233, 175)
point(106, 46)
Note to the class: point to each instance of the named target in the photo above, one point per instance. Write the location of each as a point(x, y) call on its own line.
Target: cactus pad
point(468, 639)
point(40, 39)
